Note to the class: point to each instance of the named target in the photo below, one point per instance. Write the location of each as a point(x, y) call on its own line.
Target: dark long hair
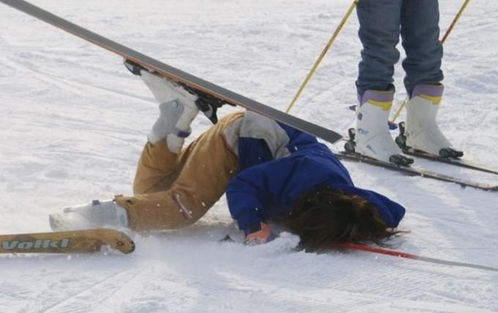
point(326, 216)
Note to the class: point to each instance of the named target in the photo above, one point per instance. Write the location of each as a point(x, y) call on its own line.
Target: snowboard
point(206, 90)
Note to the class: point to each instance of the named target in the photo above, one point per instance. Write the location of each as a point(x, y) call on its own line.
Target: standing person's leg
point(424, 52)
point(379, 34)
point(420, 34)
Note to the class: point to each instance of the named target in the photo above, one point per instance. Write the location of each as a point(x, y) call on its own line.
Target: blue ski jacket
point(276, 170)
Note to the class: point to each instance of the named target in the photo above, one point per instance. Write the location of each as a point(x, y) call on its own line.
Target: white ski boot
point(422, 131)
point(177, 109)
point(373, 138)
point(94, 215)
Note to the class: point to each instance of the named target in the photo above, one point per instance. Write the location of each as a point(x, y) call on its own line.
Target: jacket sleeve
point(259, 192)
point(247, 196)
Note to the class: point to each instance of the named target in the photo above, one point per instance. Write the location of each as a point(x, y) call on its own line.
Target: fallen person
point(271, 174)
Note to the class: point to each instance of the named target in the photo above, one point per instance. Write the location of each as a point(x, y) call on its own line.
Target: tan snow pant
point(175, 190)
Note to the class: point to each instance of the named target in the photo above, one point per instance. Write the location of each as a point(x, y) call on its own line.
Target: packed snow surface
point(73, 122)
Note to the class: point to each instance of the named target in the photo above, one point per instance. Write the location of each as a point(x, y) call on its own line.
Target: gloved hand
point(258, 234)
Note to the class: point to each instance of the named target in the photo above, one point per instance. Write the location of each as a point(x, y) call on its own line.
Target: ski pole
point(400, 254)
point(455, 20)
point(322, 54)
point(448, 32)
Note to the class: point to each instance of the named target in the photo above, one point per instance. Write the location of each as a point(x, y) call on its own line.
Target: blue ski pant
point(382, 22)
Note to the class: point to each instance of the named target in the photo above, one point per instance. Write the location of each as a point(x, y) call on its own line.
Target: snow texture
point(73, 122)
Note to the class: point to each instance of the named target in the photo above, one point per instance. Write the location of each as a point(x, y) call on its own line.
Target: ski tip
point(125, 246)
point(118, 240)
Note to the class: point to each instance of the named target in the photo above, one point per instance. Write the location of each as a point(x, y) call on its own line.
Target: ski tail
point(453, 161)
point(197, 84)
point(78, 241)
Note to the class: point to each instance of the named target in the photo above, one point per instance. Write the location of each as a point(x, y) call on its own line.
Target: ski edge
point(412, 171)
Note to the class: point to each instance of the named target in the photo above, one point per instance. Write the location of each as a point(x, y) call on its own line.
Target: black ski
point(448, 156)
point(199, 85)
point(452, 161)
point(413, 171)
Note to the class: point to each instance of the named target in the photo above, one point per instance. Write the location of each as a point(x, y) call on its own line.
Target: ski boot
point(177, 108)
point(372, 136)
point(97, 214)
point(421, 131)
point(205, 103)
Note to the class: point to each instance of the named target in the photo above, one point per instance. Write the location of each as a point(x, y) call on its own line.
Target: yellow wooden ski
point(77, 241)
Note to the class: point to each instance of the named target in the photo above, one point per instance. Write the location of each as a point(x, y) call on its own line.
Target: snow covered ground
point(73, 122)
